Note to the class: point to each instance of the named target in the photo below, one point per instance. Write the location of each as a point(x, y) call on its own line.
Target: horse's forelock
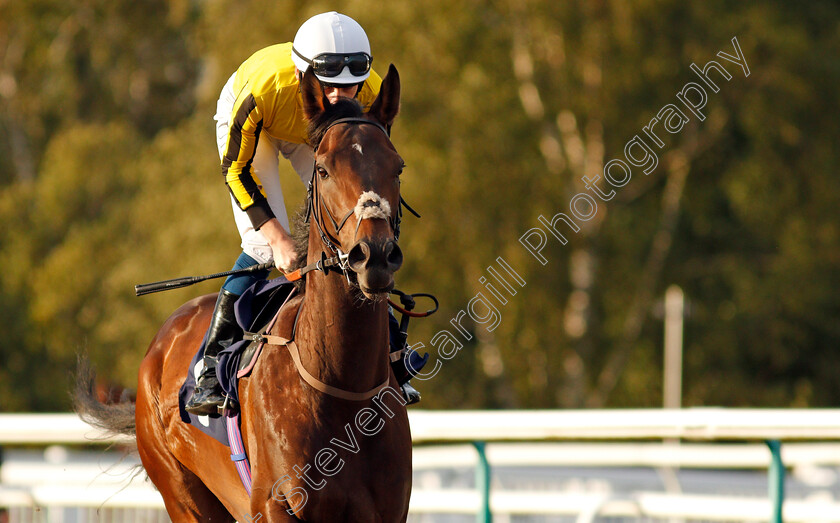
point(343, 108)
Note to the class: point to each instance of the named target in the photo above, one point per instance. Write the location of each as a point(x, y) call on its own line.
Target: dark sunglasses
point(330, 65)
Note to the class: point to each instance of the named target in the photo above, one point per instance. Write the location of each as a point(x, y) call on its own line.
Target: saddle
point(254, 309)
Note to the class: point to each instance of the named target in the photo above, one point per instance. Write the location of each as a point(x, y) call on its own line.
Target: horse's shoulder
point(184, 319)
point(198, 302)
point(192, 308)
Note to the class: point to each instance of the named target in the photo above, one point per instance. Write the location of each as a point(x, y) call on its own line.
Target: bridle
point(317, 210)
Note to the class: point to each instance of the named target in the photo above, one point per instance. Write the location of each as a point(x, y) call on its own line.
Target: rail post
point(482, 483)
point(776, 479)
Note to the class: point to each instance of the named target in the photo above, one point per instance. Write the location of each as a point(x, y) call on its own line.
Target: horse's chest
point(359, 498)
point(330, 461)
point(349, 475)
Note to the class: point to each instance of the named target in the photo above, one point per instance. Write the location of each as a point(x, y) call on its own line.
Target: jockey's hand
point(282, 245)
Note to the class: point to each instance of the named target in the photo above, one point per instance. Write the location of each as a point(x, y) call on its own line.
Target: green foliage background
point(109, 177)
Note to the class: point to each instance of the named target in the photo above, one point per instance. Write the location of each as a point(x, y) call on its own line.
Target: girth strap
point(314, 382)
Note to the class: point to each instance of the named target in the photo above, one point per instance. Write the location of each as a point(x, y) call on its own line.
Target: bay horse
point(340, 324)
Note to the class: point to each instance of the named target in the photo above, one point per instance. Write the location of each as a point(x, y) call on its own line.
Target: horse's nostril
point(393, 255)
point(358, 256)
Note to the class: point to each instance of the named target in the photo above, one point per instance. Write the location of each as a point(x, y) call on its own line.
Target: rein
point(408, 303)
point(324, 265)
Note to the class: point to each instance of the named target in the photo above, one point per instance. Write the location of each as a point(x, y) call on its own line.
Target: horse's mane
point(300, 235)
point(343, 108)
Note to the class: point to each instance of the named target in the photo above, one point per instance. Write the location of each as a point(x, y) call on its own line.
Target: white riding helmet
point(341, 45)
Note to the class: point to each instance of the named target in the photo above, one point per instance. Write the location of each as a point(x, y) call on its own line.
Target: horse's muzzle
point(375, 262)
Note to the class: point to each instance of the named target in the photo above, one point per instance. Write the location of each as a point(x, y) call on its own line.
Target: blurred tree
point(61, 245)
point(109, 177)
point(586, 77)
point(90, 60)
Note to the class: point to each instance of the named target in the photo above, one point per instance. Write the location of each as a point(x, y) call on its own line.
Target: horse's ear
point(387, 104)
point(314, 99)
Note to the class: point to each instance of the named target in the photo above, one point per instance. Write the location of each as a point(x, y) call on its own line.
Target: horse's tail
point(114, 418)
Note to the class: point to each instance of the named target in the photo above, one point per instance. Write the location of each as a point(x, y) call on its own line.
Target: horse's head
point(355, 191)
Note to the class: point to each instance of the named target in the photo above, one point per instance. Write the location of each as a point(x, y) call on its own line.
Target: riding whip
point(177, 283)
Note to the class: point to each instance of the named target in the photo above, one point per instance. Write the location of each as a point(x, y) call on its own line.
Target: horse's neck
point(345, 339)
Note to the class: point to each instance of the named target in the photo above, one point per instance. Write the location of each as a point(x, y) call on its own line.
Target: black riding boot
point(405, 364)
point(400, 366)
point(224, 330)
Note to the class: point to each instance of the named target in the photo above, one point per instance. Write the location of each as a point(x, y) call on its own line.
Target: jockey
point(259, 116)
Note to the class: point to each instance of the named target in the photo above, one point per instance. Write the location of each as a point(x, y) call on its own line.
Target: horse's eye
point(322, 172)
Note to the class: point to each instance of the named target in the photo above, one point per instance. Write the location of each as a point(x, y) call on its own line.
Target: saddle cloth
point(254, 309)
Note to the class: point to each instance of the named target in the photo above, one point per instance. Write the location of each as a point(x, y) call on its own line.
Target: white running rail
point(632, 437)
